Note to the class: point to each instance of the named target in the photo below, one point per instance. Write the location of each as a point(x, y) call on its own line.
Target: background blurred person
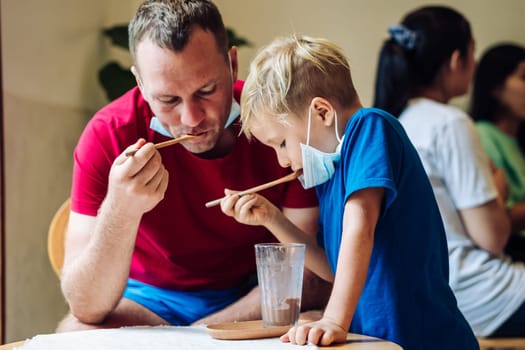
point(498, 107)
point(429, 59)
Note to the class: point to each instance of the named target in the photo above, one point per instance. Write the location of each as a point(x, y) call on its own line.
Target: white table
point(180, 338)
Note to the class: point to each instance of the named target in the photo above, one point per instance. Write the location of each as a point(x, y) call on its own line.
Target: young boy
point(380, 225)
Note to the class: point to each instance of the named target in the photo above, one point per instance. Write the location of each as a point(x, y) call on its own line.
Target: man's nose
point(192, 115)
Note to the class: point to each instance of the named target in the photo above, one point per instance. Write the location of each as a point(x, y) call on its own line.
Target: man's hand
point(137, 183)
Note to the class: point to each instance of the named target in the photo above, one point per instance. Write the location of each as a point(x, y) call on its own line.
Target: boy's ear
point(323, 109)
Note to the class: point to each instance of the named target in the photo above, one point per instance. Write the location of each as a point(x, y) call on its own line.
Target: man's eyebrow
point(165, 96)
point(207, 87)
point(213, 82)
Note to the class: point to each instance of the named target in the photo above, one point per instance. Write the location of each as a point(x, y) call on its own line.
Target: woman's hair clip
point(403, 36)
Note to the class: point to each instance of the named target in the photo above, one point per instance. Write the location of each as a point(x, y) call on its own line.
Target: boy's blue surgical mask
point(318, 166)
point(157, 126)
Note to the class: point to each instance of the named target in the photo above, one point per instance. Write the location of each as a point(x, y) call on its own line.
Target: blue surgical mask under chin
point(318, 166)
point(235, 112)
point(157, 126)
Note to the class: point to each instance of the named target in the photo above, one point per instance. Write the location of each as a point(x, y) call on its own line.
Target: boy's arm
point(359, 222)
point(254, 209)
point(315, 291)
point(287, 231)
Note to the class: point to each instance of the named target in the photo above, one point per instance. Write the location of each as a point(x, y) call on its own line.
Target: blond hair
point(288, 73)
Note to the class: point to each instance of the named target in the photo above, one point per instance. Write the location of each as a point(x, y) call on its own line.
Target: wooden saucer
point(245, 330)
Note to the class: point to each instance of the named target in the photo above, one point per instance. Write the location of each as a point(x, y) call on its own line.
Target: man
point(141, 247)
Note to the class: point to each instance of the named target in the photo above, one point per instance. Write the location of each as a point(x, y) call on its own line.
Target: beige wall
point(52, 50)
point(359, 26)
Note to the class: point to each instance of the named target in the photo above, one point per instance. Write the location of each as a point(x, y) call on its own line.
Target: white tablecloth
point(144, 338)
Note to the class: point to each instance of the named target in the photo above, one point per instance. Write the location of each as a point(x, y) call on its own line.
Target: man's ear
point(135, 72)
point(233, 62)
point(322, 108)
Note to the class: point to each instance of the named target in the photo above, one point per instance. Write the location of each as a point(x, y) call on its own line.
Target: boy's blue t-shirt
point(406, 298)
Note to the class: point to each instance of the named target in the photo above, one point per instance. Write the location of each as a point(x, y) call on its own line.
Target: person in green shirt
point(498, 107)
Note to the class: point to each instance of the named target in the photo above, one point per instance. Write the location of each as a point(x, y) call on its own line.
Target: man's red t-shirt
point(181, 244)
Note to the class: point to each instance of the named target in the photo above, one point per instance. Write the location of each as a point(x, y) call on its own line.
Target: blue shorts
point(182, 308)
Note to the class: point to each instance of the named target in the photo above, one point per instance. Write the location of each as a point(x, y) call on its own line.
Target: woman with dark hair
point(429, 59)
point(498, 107)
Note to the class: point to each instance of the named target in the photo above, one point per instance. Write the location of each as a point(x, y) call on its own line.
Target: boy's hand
point(323, 332)
point(250, 209)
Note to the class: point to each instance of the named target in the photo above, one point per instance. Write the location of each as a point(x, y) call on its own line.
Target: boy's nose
point(284, 162)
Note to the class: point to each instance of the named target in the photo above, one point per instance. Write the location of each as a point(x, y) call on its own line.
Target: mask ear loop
point(339, 139)
point(337, 129)
point(309, 123)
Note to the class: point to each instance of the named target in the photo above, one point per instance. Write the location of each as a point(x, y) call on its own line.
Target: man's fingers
point(136, 146)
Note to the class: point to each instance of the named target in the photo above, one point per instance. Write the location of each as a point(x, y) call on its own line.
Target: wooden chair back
point(501, 343)
point(56, 237)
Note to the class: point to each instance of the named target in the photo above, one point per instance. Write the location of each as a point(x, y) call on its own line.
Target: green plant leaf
point(118, 35)
point(115, 79)
point(235, 40)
